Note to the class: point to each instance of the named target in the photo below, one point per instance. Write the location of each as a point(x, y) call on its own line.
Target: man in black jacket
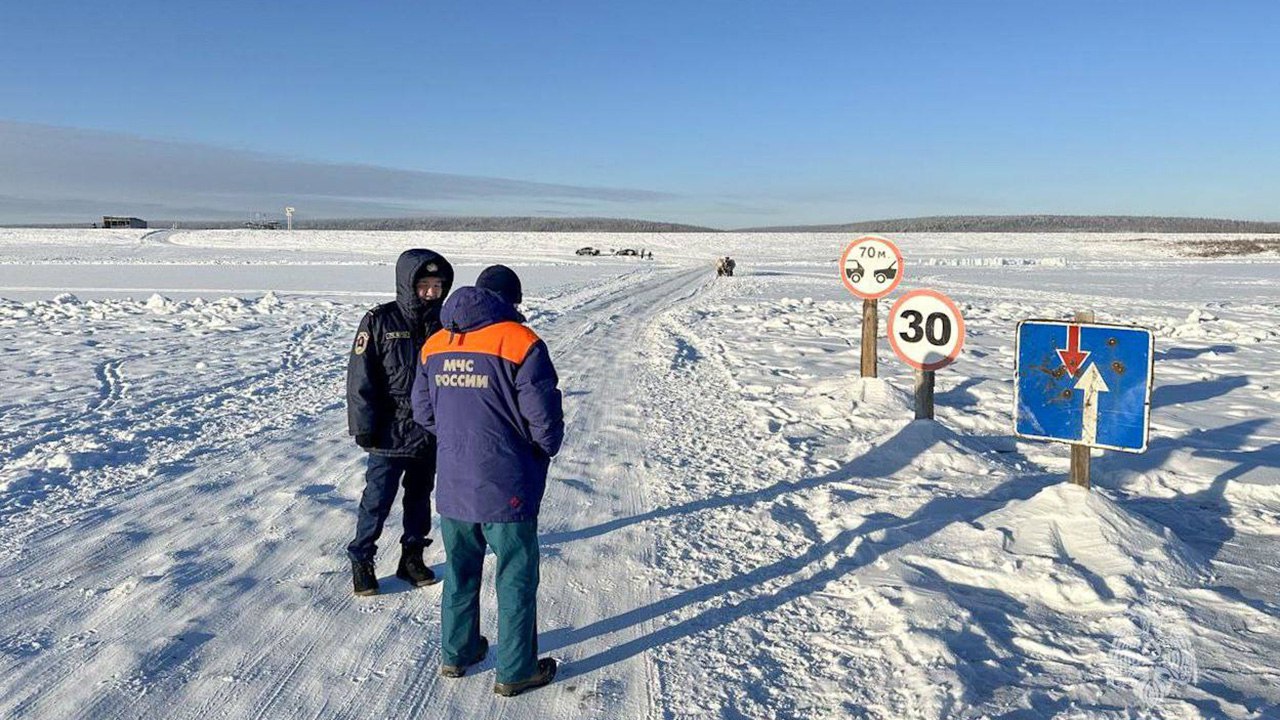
point(380, 373)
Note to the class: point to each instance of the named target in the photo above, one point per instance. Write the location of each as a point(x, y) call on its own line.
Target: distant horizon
point(1037, 222)
point(56, 176)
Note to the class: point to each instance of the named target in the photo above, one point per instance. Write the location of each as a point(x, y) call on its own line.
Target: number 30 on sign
point(926, 329)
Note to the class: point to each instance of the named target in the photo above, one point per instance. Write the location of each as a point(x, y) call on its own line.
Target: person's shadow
point(848, 551)
point(880, 461)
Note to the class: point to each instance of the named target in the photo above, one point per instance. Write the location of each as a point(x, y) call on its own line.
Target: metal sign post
point(926, 330)
point(870, 268)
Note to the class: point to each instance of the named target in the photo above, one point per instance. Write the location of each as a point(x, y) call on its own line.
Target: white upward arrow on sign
point(1091, 383)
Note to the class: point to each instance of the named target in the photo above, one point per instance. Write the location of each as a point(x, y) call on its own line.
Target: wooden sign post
point(926, 331)
point(1080, 457)
point(924, 394)
point(870, 334)
point(870, 268)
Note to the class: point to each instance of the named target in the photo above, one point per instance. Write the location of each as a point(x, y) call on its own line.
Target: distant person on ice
point(725, 266)
point(380, 372)
point(488, 391)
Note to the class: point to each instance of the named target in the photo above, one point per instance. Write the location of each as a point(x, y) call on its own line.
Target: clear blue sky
point(739, 112)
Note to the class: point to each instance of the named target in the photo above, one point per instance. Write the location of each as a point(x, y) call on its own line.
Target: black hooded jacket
point(380, 368)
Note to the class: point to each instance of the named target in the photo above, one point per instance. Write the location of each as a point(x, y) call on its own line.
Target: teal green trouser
point(516, 546)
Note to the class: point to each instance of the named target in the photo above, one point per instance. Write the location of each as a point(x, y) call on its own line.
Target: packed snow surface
point(738, 526)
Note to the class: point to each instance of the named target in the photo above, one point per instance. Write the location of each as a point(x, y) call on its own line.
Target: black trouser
point(381, 479)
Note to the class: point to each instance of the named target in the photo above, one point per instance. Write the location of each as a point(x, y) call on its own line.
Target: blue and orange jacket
point(486, 388)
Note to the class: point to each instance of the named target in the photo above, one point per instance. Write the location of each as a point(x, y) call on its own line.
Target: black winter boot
point(546, 672)
point(413, 570)
point(364, 577)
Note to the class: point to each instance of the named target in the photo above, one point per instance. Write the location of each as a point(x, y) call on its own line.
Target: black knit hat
point(503, 281)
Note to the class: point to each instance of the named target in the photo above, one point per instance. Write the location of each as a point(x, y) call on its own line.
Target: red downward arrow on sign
point(1073, 357)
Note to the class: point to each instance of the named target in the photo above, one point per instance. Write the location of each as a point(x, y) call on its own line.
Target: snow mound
point(159, 304)
point(1087, 528)
point(992, 262)
point(1068, 549)
point(875, 392)
point(268, 303)
point(198, 316)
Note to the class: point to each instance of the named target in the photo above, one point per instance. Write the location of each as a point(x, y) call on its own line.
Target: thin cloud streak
point(53, 174)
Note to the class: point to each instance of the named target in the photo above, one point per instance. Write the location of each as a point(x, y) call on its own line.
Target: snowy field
point(738, 526)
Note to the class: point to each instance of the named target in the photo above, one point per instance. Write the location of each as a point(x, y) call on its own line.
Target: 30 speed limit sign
point(926, 329)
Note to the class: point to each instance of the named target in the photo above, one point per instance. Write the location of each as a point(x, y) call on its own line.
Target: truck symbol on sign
point(886, 274)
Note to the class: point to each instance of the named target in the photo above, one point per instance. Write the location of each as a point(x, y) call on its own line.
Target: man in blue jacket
point(380, 373)
point(486, 388)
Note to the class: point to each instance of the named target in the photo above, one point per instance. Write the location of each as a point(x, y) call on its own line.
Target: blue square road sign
point(1083, 383)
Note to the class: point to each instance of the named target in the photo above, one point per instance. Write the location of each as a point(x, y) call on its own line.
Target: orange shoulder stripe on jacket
point(508, 340)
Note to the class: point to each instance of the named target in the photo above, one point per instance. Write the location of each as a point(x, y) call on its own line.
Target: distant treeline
point(467, 224)
point(1040, 223)
point(948, 223)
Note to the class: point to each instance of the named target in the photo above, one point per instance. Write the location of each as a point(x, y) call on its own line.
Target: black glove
point(365, 441)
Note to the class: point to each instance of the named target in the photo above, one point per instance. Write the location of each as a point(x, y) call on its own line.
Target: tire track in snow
point(245, 548)
point(601, 475)
point(128, 444)
point(112, 386)
point(731, 535)
point(201, 549)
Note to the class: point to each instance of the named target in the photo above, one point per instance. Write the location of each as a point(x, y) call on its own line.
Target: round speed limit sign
point(926, 329)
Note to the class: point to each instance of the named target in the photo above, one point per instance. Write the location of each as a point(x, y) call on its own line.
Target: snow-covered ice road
point(737, 526)
point(218, 586)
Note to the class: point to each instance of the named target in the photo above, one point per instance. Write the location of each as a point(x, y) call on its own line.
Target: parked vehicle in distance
point(627, 251)
point(588, 251)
